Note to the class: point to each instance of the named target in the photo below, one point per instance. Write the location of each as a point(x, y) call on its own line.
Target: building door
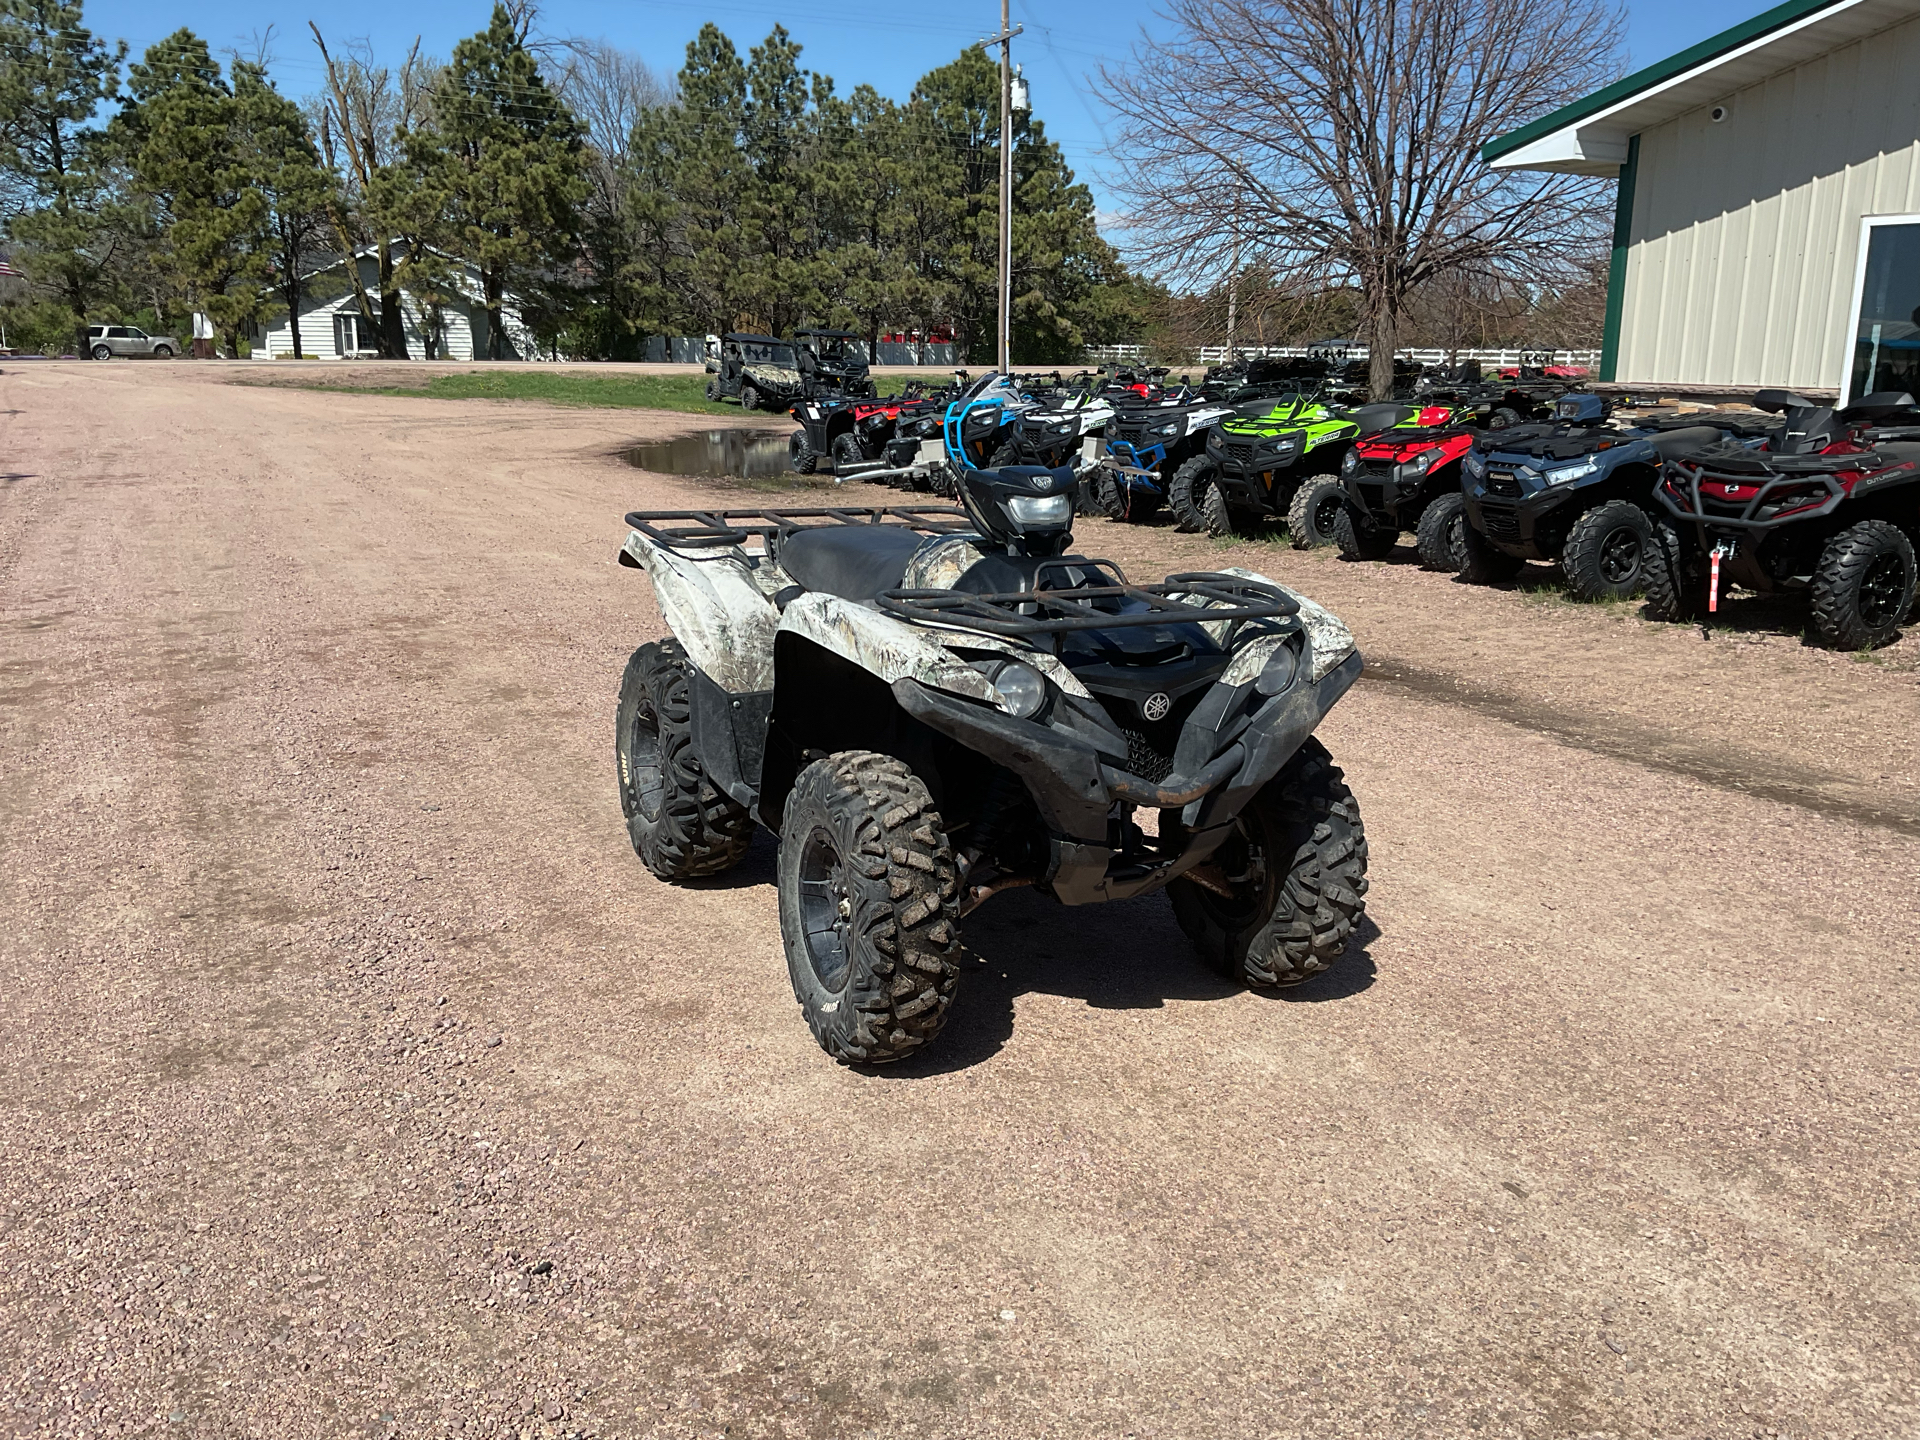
point(1886, 314)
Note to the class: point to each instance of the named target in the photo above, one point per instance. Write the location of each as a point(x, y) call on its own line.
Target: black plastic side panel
point(1278, 729)
point(730, 736)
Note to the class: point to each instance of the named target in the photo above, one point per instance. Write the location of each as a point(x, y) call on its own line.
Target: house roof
point(1589, 136)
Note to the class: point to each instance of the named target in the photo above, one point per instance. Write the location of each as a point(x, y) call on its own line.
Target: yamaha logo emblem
point(1156, 706)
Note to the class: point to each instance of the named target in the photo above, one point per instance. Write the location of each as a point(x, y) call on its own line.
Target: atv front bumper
point(1076, 792)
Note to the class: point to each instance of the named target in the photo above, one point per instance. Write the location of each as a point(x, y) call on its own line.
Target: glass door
point(1886, 330)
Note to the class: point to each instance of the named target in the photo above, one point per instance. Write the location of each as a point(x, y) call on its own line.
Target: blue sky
point(854, 41)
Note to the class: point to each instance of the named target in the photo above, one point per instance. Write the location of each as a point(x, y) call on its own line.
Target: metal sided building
point(1767, 229)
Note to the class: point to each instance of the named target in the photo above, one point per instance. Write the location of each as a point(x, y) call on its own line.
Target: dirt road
point(357, 1081)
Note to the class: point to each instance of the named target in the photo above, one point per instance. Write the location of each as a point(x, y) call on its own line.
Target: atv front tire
point(1296, 867)
point(868, 907)
point(1362, 542)
point(1218, 516)
point(1481, 563)
point(1607, 552)
point(749, 398)
point(846, 451)
point(1863, 588)
point(801, 455)
point(1192, 482)
point(1675, 578)
point(680, 824)
point(1314, 511)
point(1438, 535)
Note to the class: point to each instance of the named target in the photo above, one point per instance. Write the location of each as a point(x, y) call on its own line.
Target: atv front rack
point(1222, 598)
point(715, 529)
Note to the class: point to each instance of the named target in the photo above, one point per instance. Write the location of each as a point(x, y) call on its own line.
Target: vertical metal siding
point(1745, 234)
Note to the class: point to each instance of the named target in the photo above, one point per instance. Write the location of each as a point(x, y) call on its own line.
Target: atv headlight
point(1418, 465)
point(1567, 474)
point(1281, 668)
point(1041, 511)
point(1168, 430)
point(983, 420)
point(1349, 463)
point(1021, 687)
point(1475, 464)
point(1283, 443)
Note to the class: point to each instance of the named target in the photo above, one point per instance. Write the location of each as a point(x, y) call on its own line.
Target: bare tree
point(1338, 142)
point(607, 89)
point(365, 110)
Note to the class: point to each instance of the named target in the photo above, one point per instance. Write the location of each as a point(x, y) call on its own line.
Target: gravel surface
point(357, 1080)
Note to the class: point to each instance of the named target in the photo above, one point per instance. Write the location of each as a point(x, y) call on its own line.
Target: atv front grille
point(1376, 470)
point(1240, 452)
point(1501, 523)
point(1503, 482)
point(1143, 758)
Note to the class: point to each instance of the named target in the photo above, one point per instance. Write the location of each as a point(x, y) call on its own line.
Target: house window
point(1886, 314)
point(352, 334)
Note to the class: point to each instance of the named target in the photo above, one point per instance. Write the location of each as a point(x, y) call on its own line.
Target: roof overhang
point(1589, 137)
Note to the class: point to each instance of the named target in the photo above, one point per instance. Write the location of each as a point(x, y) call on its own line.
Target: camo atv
point(929, 706)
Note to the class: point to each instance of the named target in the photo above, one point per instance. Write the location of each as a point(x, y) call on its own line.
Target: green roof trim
point(1626, 89)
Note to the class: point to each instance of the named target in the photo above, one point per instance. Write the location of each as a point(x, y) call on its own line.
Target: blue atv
point(1577, 490)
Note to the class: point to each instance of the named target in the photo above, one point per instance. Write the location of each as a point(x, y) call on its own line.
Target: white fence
point(1218, 355)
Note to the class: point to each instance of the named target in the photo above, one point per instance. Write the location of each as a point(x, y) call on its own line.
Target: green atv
point(1277, 459)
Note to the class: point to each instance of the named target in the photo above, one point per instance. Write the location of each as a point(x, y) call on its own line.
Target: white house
point(332, 327)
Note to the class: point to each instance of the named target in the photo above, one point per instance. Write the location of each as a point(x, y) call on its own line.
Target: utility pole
point(1233, 282)
point(1005, 41)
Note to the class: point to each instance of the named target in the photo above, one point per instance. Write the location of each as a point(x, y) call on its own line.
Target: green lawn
point(685, 393)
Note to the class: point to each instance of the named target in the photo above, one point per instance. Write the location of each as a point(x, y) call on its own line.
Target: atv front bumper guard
point(1075, 790)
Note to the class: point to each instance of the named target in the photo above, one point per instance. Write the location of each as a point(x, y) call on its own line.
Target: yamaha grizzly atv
point(932, 705)
point(1577, 491)
point(1830, 506)
point(1255, 463)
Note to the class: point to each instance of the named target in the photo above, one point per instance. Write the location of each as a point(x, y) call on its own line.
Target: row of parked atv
point(1485, 474)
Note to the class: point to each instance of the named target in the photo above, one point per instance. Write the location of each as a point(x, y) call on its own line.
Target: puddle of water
point(716, 455)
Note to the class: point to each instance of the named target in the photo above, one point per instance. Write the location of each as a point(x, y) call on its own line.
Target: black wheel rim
point(1325, 513)
point(1242, 861)
point(1882, 589)
point(647, 780)
point(1620, 555)
point(826, 909)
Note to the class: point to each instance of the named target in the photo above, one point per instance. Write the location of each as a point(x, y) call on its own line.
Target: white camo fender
point(714, 609)
point(883, 647)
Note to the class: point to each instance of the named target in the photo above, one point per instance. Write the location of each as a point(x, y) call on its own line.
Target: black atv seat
point(1679, 442)
point(855, 562)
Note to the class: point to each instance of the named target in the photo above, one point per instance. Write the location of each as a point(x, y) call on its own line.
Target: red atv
point(848, 432)
point(1406, 478)
point(1829, 506)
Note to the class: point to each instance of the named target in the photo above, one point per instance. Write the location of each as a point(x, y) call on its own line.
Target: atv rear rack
point(1233, 600)
point(714, 529)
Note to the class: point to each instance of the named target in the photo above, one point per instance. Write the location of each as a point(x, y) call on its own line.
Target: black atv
point(759, 371)
point(1829, 507)
point(831, 363)
point(1577, 491)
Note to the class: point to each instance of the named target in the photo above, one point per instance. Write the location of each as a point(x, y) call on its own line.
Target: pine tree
point(288, 175)
point(505, 157)
point(59, 185)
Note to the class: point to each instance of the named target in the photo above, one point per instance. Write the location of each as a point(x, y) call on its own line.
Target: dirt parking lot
point(358, 1081)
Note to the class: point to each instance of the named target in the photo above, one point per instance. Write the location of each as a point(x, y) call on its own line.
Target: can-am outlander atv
point(1577, 491)
point(1829, 506)
point(932, 705)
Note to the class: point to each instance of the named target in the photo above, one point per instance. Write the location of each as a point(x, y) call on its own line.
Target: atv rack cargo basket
point(1228, 599)
point(712, 529)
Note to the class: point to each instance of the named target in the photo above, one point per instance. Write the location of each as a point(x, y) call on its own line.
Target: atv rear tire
point(1481, 563)
point(749, 398)
point(681, 825)
point(1863, 588)
point(1675, 578)
point(1438, 535)
point(1607, 552)
point(1188, 493)
point(868, 907)
point(846, 450)
point(1297, 863)
point(801, 455)
point(1313, 512)
point(1503, 417)
point(713, 391)
point(1362, 542)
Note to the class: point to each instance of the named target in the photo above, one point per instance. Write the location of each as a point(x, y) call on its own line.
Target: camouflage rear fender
point(714, 608)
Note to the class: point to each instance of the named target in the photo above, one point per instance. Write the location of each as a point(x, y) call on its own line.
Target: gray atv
point(931, 705)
